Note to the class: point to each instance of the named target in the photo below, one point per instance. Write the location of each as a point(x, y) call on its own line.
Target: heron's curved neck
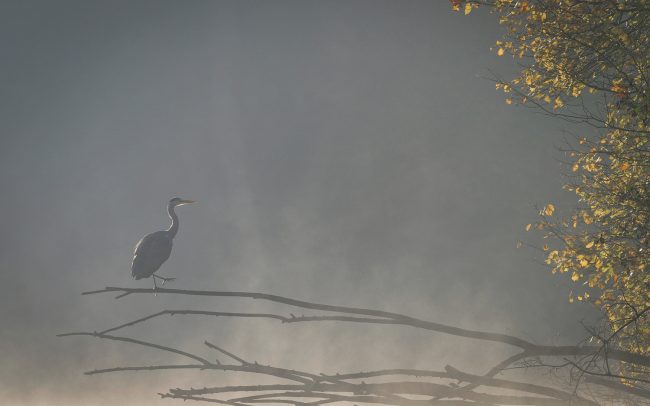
point(173, 229)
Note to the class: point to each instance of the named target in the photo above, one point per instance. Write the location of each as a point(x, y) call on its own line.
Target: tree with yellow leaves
point(588, 61)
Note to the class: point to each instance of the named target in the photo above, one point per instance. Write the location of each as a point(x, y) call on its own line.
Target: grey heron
point(154, 249)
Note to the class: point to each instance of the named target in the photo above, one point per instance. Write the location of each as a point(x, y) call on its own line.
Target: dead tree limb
point(448, 387)
point(383, 317)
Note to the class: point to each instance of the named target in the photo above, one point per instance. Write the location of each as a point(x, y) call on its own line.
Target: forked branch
point(447, 387)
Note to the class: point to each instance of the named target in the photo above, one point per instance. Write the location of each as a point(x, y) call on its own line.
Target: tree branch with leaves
point(588, 62)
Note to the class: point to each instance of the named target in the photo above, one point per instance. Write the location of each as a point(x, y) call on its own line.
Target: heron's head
point(177, 201)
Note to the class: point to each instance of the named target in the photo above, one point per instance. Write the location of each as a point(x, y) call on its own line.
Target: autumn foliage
point(588, 62)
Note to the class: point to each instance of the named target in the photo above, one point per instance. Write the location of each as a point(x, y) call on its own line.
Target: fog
point(342, 152)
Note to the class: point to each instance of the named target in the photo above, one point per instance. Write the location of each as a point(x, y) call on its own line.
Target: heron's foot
point(163, 279)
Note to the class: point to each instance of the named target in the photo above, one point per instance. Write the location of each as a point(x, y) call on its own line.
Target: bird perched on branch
point(154, 249)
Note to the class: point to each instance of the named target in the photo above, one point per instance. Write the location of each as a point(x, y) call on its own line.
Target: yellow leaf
point(575, 167)
point(500, 52)
point(590, 244)
point(575, 277)
point(549, 209)
point(545, 247)
point(584, 263)
point(468, 8)
point(508, 101)
point(575, 91)
point(624, 166)
point(528, 226)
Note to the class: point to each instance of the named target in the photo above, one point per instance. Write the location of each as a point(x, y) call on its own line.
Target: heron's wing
point(151, 252)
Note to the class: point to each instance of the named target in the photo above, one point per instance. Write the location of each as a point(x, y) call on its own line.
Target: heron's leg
point(163, 278)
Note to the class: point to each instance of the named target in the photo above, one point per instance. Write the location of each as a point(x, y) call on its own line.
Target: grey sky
point(340, 151)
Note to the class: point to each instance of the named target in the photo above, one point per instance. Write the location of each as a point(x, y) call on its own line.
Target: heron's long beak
point(183, 202)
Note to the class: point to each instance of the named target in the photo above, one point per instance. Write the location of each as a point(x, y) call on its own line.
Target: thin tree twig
point(140, 342)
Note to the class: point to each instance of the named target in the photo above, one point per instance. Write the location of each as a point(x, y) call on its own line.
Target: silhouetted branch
point(320, 389)
point(618, 386)
point(151, 368)
point(139, 342)
point(283, 319)
point(605, 375)
point(412, 388)
point(396, 318)
point(502, 383)
point(309, 384)
point(499, 368)
point(384, 317)
point(231, 355)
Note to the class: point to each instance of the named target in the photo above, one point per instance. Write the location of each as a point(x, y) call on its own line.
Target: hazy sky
point(345, 152)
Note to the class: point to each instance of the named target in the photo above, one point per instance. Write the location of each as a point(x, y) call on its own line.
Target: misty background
point(343, 152)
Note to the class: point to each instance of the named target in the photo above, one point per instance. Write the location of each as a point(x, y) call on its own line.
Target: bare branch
point(322, 389)
point(231, 355)
point(405, 387)
point(396, 317)
point(283, 319)
point(644, 393)
point(502, 383)
point(387, 318)
point(139, 342)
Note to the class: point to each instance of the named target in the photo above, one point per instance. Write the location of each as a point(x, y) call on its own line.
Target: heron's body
point(150, 253)
point(154, 249)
